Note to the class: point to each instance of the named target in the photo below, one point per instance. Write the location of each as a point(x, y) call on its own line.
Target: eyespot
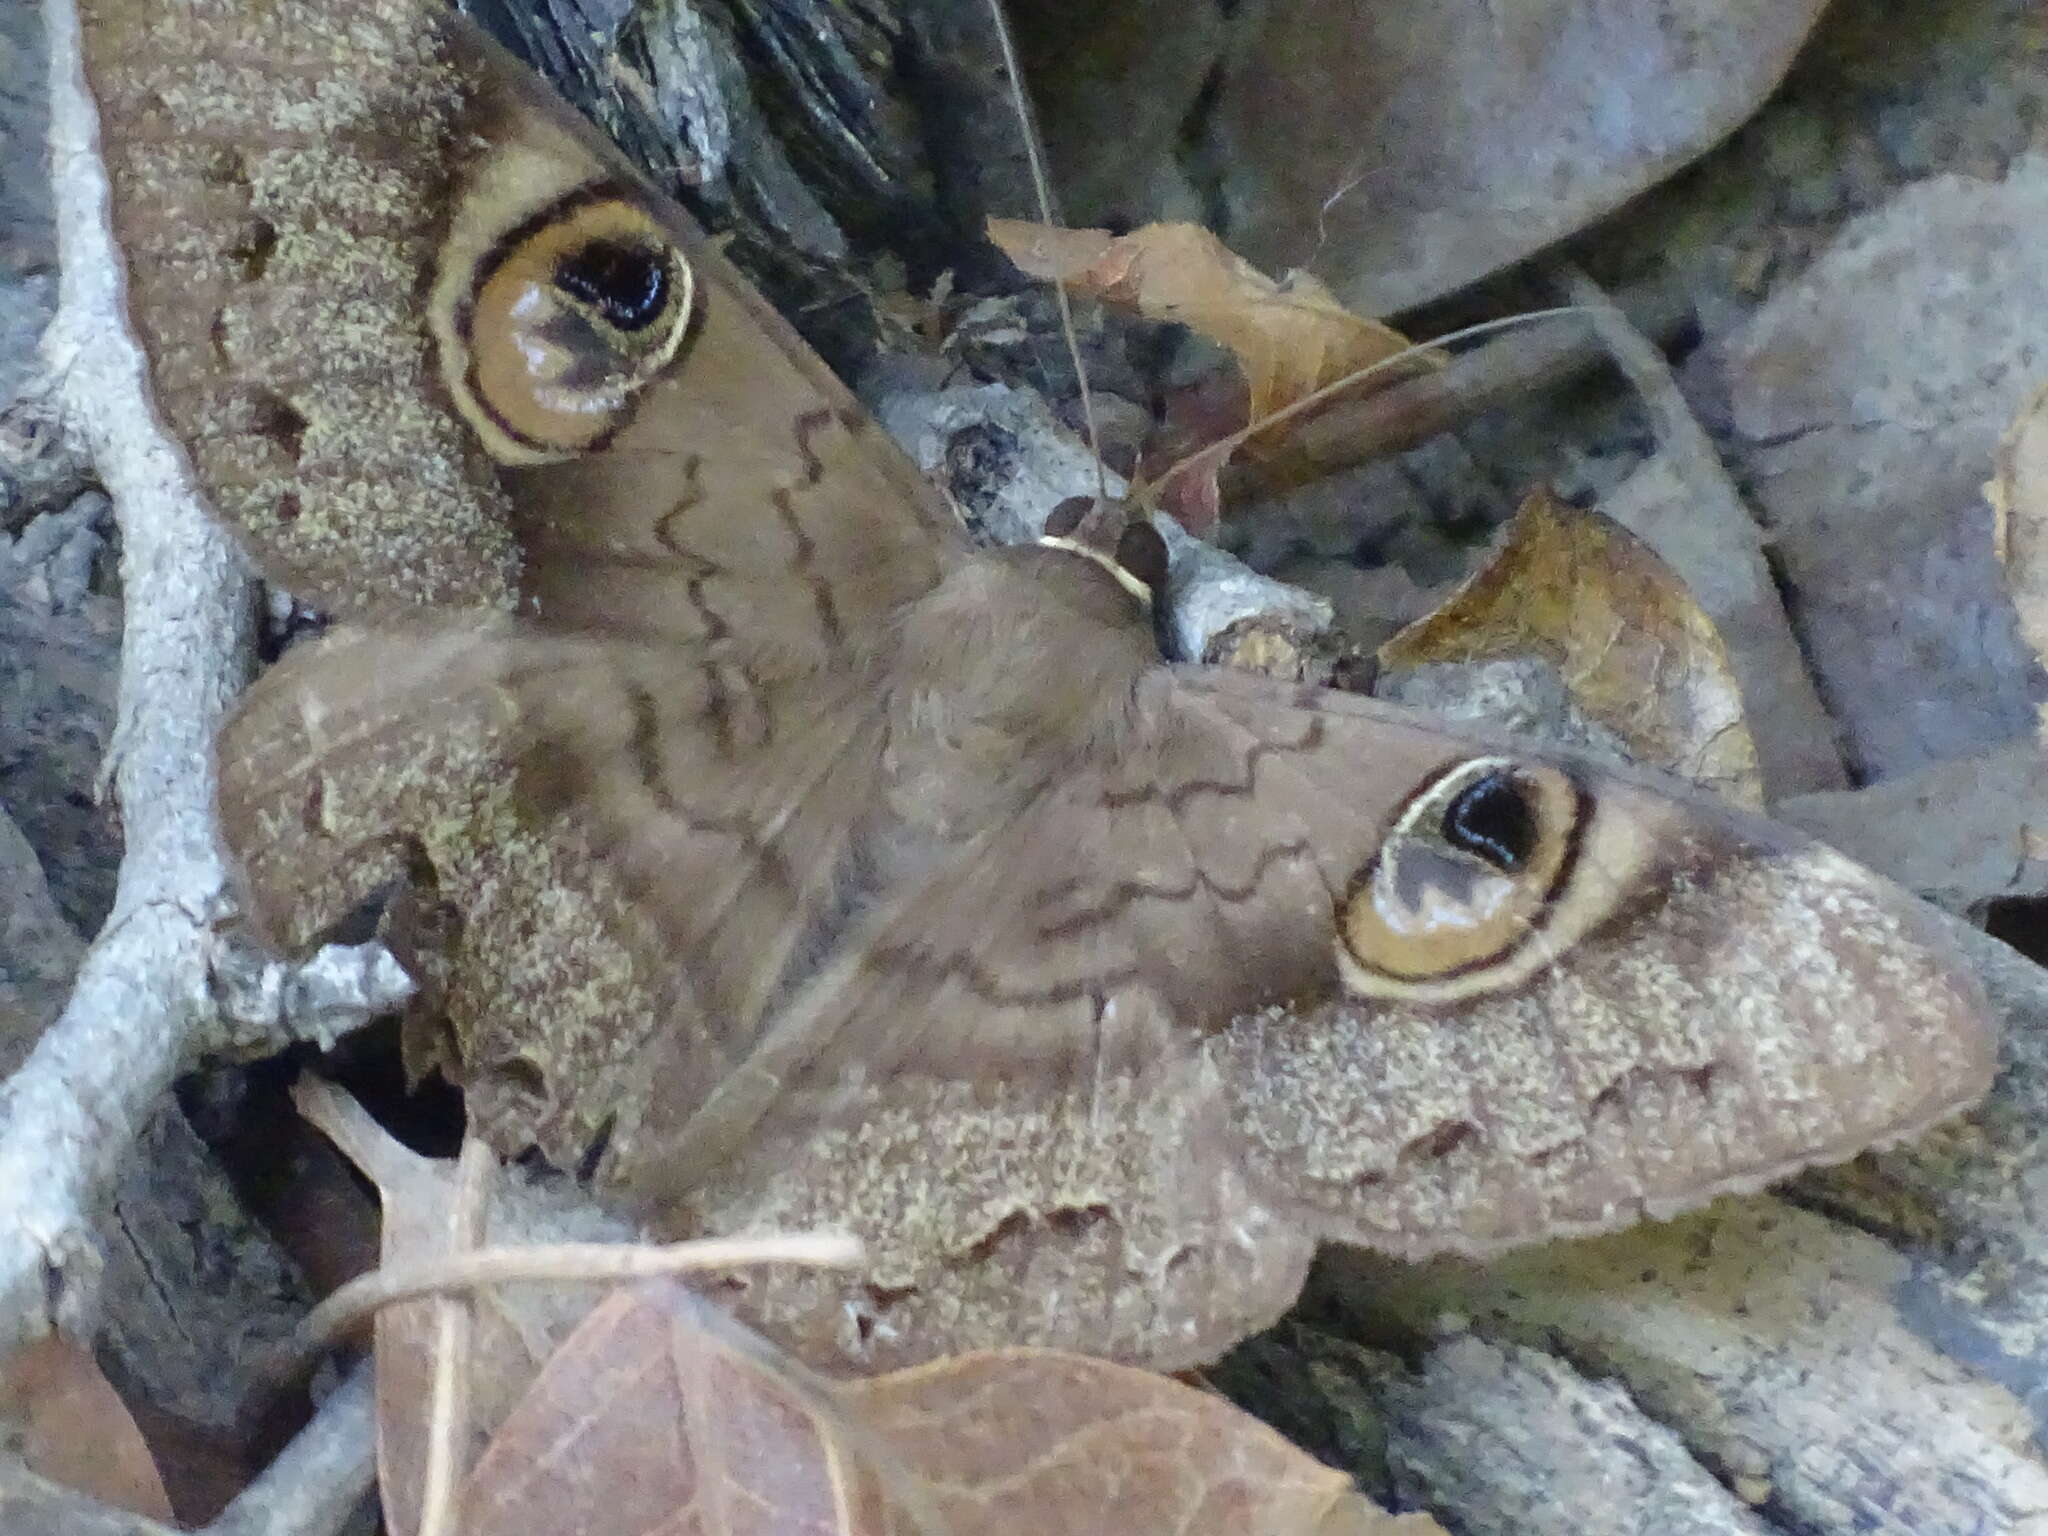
point(560, 324)
point(1465, 885)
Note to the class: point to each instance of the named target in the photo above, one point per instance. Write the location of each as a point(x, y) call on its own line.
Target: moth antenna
point(1224, 445)
point(1041, 191)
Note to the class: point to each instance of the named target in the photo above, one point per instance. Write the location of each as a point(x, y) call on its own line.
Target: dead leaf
point(1023, 1441)
point(1404, 150)
point(1290, 338)
point(71, 1427)
point(642, 1418)
point(661, 1424)
point(1636, 653)
point(517, 1327)
point(2019, 499)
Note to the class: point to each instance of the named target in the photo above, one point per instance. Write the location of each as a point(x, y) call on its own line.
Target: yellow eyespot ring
point(562, 323)
point(1459, 895)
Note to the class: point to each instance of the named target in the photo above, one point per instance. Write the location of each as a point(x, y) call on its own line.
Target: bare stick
point(590, 1263)
point(1410, 413)
point(68, 1117)
point(315, 1484)
point(1703, 531)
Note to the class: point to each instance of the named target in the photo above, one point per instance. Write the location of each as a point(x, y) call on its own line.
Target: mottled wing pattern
point(314, 196)
point(279, 175)
point(749, 504)
point(1139, 908)
point(1106, 1057)
point(334, 788)
point(297, 185)
point(1752, 1004)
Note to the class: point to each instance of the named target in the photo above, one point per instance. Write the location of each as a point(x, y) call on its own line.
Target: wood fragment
point(1457, 1441)
point(197, 1296)
point(1779, 1346)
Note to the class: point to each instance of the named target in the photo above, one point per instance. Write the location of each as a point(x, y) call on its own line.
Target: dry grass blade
point(448, 1420)
point(560, 1263)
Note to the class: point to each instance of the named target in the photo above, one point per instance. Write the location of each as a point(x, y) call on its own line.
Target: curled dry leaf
point(2019, 497)
point(1290, 338)
point(666, 1425)
point(1637, 654)
point(62, 1417)
point(516, 1327)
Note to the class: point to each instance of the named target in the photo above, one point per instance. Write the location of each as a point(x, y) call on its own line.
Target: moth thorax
point(1128, 547)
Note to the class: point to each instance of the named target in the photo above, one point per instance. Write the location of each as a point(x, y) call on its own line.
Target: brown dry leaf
point(69, 1425)
point(642, 1422)
point(1637, 654)
point(664, 1425)
point(2019, 498)
point(1018, 1441)
point(516, 1327)
point(1290, 337)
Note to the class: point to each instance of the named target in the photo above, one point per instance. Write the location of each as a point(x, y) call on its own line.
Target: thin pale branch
point(68, 1117)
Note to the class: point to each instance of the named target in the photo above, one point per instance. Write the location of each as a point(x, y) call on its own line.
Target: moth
point(775, 857)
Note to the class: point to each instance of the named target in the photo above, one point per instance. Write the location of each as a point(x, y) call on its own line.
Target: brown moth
point(786, 861)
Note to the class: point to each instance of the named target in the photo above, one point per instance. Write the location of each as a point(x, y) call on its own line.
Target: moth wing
point(313, 271)
point(1742, 1003)
point(1715, 1003)
point(436, 751)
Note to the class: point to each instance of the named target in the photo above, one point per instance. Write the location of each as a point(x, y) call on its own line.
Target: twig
point(1208, 590)
point(448, 1414)
point(1706, 534)
point(143, 1003)
point(68, 1117)
point(580, 1262)
point(35, 1506)
point(317, 1481)
point(1410, 413)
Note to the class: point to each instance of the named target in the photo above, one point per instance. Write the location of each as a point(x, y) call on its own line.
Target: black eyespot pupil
point(627, 284)
point(1493, 818)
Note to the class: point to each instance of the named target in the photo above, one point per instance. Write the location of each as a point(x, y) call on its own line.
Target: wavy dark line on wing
point(1177, 798)
point(1127, 893)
